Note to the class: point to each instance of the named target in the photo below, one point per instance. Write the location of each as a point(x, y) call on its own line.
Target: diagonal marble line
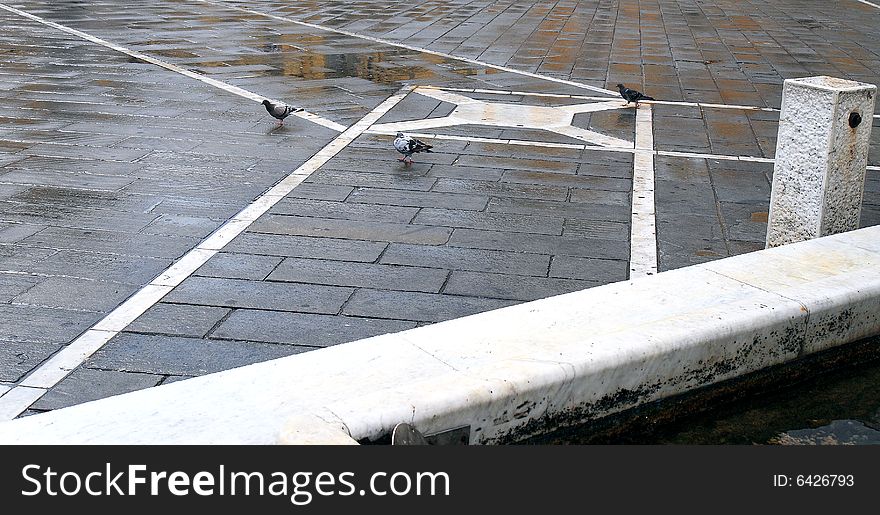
point(589, 136)
point(869, 3)
point(593, 107)
point(446, 96)
point(229, 88)
point(428, 123)
point(325, 28)
point(56, 368)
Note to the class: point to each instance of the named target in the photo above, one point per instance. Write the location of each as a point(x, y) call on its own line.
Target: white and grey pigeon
point(407, 145)
point(280, 110)
point(631, 95)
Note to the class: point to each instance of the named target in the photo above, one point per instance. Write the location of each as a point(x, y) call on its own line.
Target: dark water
point(840, 407)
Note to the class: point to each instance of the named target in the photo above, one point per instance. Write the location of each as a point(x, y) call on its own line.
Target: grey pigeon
point(408, 146)
point(280, 110)
point(631, 95)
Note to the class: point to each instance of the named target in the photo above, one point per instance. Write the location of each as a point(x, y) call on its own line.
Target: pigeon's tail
point(646, 98)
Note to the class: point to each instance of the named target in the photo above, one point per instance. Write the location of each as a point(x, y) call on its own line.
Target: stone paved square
point(132, 140)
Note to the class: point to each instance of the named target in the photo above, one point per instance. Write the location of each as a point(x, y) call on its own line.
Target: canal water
point(839, 407)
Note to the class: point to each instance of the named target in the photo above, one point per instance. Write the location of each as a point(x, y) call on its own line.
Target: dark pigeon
point(280, 110)
point(631, 95)
point(408, 146)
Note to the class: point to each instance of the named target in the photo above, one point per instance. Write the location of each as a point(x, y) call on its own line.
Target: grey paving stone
point(111, 242)
point(736, 185)
point(75, 217)
point(566, 180)
point(107, 267)
point(14, 232)
point(683, 227)
point(46, 325)
point(596, 229)
point(745, 222)
point(315, 191)
point(508, 163)
point(560, 209)
point(478, 260)
point(19, 358)
point(306, 247)
point(420, 307)
point(513, 287)
point(419, 199)
point(675, 197)
point(67, 180)
point(596, 196)
point(500, 189)
point(344, 210)
point(402, 181)
point(540, 244)
point(486, 220)
point(466, 172)
point(14, 284)
point(239, 266)
point(589, 269)
point(304, 329)
point(108, 154)
point(307, 298)
point(75, 293)
point(342, 273)
point(181, 225)
point(681, 252)
point(85, 384)
point(178, 320)
point(351, 229)
point(130, 352)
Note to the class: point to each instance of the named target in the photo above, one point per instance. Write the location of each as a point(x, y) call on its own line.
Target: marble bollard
point(821, 156)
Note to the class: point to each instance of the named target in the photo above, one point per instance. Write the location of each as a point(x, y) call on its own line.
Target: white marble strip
point(387, 130)
point(721, 157)
point(643, 228)
point(445, 96)
point(413, 48)
point(874, 168)
point(582, 97)
point(62, 362)
point(229, 88)
point(47, 375)
point(428, 123)
point(590, 136)
point(376, 129)
point(869, 3)
point(12, 401)
point(4, 388)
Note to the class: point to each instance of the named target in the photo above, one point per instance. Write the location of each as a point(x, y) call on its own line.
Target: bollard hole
point(854, 119)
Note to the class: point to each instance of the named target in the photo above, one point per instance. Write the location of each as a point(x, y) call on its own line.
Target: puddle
point(289, 60)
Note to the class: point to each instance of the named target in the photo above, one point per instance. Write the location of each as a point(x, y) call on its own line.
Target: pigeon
point(280, 110)
point(408, 146)
point(631, 95)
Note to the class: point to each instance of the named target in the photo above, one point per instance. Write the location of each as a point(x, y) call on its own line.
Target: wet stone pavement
point(112, 168)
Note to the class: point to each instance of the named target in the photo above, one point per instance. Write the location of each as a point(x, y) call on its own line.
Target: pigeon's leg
point(402, 159)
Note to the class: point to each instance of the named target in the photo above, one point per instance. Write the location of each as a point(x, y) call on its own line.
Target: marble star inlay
point(471, 111)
